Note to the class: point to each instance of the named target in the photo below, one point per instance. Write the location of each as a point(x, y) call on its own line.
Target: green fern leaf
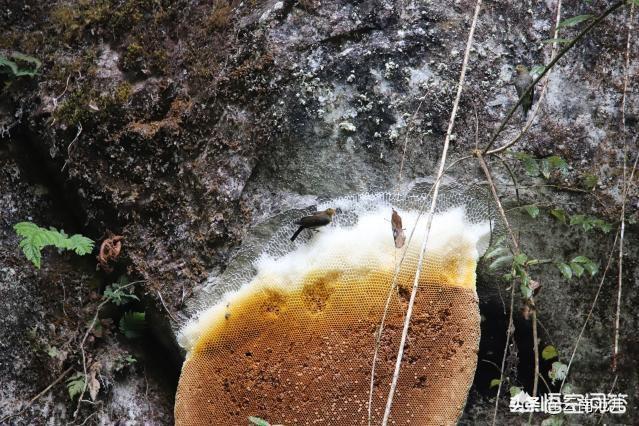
point(75, 385)
point(31, 251)
point(132, 324)
point(35, 238)
point(80, 244)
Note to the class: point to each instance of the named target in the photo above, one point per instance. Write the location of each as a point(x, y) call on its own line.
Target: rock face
point(180, 124)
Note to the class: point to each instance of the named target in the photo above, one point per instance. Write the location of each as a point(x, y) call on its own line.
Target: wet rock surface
point(179, 125)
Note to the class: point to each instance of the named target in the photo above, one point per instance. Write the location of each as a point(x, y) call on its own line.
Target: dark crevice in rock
point(354, 35)
point(39, 169)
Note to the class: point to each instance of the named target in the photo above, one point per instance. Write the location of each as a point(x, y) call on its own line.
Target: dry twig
point(624, 190)
point(38, 396)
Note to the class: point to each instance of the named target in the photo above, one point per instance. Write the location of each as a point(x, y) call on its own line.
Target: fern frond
point(80, 244)
point(35, 238)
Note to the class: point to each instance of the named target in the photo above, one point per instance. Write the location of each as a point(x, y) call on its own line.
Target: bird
point(313, 221)
point(522, 81)
point(398, 230)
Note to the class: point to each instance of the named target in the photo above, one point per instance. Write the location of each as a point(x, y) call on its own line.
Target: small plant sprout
point(120, 293)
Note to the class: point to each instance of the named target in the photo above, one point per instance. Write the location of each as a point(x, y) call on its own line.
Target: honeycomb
point(294, 342)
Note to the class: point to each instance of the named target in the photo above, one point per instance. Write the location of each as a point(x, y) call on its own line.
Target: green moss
point(75, 109)
point(132, 57)
point(122, 93)
point(72, 20)
point(140, 60)
point(87, 106)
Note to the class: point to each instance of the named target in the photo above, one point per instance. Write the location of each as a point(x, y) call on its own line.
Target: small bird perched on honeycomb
point(313, 221)
point(398, 230)
point(522, 81)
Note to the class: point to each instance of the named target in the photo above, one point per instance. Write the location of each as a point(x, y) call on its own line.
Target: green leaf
point(532, 210)
point(80, 244)
point(558, 372)
point(26, 58)
point(14, 66)
point(132, 324)
point(501, 261)
point(592, 268)
point(123, 361)
point(530, 164)
point(53, 352)
point(32, 252)
point(257, 421)
point(551, 163)
point(493, 383)
point(514, 391)
point(556, 162)
point(565, 270)
point(549, 352)
point(581, 259)
point(75, 384)
point(5, 62)
point(520, 259)
point(580, 219)
point(557, 40)
point(590, 181)
point(603, 226)
point(525, 290)
point(496, 251)
point(588, 223)
point(537, 69)
point(577, 269)
point(571, 22)
point(559, 214)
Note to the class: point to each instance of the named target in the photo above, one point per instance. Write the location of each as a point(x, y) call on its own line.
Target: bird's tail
point(300, 229)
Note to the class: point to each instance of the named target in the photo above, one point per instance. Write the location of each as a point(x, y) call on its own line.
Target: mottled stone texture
point(196, 119)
